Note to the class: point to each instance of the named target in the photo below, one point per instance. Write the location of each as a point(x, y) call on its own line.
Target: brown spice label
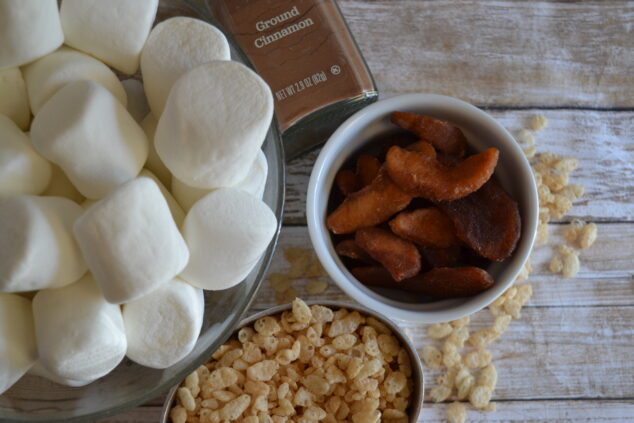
point(301, 48)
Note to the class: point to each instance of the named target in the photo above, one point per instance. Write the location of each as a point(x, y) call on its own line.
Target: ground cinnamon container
point(304, 50)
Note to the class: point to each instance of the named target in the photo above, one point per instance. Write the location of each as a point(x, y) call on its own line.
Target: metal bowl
point(35, 399)
point(417, 369)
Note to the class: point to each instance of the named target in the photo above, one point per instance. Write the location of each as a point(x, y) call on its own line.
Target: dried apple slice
point(488, 221)
point(424, 176)
point(370, 206)
point(446, 137)
point(400, 257)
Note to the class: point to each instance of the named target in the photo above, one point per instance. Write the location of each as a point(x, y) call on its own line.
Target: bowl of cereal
point(318, 361)
point(422, 207)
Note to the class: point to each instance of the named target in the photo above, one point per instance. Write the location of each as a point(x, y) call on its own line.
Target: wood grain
point(605, 278)
point(507, 411)
point(530, 53)
point(596, 139)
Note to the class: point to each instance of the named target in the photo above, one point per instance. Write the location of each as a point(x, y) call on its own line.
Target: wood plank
point(596, 139)
point(500, 52)
point(605, 277)
point(508, 411)
point(558, 353)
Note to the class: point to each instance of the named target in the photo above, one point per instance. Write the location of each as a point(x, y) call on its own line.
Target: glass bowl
point(35, 399)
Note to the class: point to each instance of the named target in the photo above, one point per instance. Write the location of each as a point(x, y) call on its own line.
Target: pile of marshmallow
point(98, 258)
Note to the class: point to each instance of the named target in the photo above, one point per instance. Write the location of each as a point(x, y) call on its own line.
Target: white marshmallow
point(79, 335)
point(14, 101)
point(214, 122)
point(177, 211)
point(137, 103)
point(29, 29)
point(91, 136)
point(22, 169)
point(130, 241)
point(255, 181)
point(38, 369)
point(37, 249)
point(254, 184)
point(163, 326)
point(226, 231)
point(18, 350)
point(154, 162)
point(61, 186)
point(46, 76)
point(113, 31)
point(175, 46)
point(187, 196)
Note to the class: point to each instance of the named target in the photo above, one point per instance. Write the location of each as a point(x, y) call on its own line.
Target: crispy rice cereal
point(306, 365)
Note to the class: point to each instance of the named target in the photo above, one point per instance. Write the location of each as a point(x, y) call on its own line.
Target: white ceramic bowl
point(482, 131)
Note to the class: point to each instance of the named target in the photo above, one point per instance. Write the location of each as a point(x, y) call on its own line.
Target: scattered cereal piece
point(280, 282)
point(451, 357)
point(488, 377)
point(526, 137)
point(439, 393)
point(556, 264)
point(539, 122)
point(458, 337)
point(439, 330)
point(316, 287)
point(462, 322)
point(464, 383)
point(483, 338)
point(480, 396)
point(456, 412)
point(432, 357)
point(477, 359)
point(587, 236)
point(570, 265)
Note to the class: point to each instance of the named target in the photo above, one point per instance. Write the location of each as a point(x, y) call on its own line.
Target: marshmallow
point(38, 369)
point(130, 241)
point(91, 136)
point(154, 162)
point(187, 196)
point(14, 101)
point(113, 31)
point(254, 184)
point(61, 186)
point(46, 76)
point(163, 326)
point(37, 249)
point(137, 103)
point(18, 350)
point(214, 122)
point(226, 231)
point(79, 335)
point(177, 212)
point(255, 181)
point(22, 169)
point(175, 46)
point(29, 29)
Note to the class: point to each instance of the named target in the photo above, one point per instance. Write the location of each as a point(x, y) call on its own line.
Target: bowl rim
point(417, 368)
point(320, 236)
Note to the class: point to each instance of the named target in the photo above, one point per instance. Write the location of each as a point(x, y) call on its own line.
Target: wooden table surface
point(570, 356)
